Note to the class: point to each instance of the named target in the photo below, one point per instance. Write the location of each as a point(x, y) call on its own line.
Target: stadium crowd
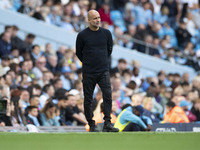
point(43, 86)
point(169, 28)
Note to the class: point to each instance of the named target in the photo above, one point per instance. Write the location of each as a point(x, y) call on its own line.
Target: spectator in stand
point(148, 106)
point(15, 40)
point(182, 34)
point(73, 114)
point(184, 105)
point(58, 84)
point(50, 115)
point(48, 92)
point(63, 102)
point(36, 52)
point(60, 52)
point(54, 16)
point(5, 119)
point(196, 109)
point(121, 66)
point(173, 12)
point(48, 50)
point(52, 64)
point(39, 67)
point(5, 65)
point(5, 44)
point(32, 116)
point(143, 14)
point(24, 99)
point(46, 78)
point(28, 43)
point(174, 114)
point(104, 12)
point(34, 101)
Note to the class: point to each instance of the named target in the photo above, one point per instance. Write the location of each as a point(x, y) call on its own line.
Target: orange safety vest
point(176, 115)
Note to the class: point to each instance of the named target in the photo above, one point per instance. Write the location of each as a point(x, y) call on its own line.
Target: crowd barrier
point(167, 127)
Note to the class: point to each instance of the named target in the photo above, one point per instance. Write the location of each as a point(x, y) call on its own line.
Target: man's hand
point(149, 127)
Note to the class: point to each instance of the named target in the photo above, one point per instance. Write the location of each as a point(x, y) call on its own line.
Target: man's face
point(136, 112)
point(64, 103)
point(25, 96)
point(35, 102)
point(94, 19)
point(34, 112)
point(72, 101)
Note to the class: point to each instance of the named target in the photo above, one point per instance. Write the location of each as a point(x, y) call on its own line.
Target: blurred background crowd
point(42, 85)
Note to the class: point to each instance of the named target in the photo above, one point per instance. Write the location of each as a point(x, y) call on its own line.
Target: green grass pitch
point(100, 141)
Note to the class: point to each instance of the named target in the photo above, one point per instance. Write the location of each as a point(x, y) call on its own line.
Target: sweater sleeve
point(135, 119)
point(79, 47)
point(110, 43)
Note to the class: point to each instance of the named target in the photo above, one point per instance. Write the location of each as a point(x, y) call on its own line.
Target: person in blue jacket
point(132, 119)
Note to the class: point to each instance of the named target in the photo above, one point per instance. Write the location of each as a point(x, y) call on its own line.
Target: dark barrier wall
point(180, 127)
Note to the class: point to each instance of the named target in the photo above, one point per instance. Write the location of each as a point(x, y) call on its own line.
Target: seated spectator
point(174, 114)
point(73, 114)
point(145, 48)
point(182, 35)
point(50, 115)
point(148, 106)
point(196, 109)
point(34, 89)
point(131, 119)
point(184, 105)
point(63, 102)
point(48, 92)
point(52, 64)
point(32, 116)
point(5, 119)
point(15, 40)
point(54, 16)
point(121, 66)
point(39, 67)
point(104, 13)
point(4, 66)
point(46, 79)
point(24, 99)
point(162, 16)
point(34, 101)
point(143, 14)
point(28, 43)
point(5, 44)
point(36, 52)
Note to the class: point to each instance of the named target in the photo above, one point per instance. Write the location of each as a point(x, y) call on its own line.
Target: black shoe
point(93, 129)
point(109, 128)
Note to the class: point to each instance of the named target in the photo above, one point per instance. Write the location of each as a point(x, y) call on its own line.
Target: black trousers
point(133, 127)
point(89, 83)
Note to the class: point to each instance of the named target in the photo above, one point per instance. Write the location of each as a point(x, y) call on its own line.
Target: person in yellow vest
point(132, 119)
point(174, 114)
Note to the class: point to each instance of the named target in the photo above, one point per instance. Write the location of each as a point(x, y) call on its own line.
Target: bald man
point(93, 48)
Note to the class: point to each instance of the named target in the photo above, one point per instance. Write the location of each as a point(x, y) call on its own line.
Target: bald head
point(94, 20)
point(91, 13)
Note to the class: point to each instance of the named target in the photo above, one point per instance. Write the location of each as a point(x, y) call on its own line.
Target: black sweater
point(93, 49)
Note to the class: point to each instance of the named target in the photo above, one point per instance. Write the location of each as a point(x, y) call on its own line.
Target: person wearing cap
point(93, 48)
point(184, 104)
point(132, 119)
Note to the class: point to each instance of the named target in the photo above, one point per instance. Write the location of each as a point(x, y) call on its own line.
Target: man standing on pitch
point(93, 48)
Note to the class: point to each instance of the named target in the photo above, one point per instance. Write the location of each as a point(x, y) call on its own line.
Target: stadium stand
point(156, 56)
